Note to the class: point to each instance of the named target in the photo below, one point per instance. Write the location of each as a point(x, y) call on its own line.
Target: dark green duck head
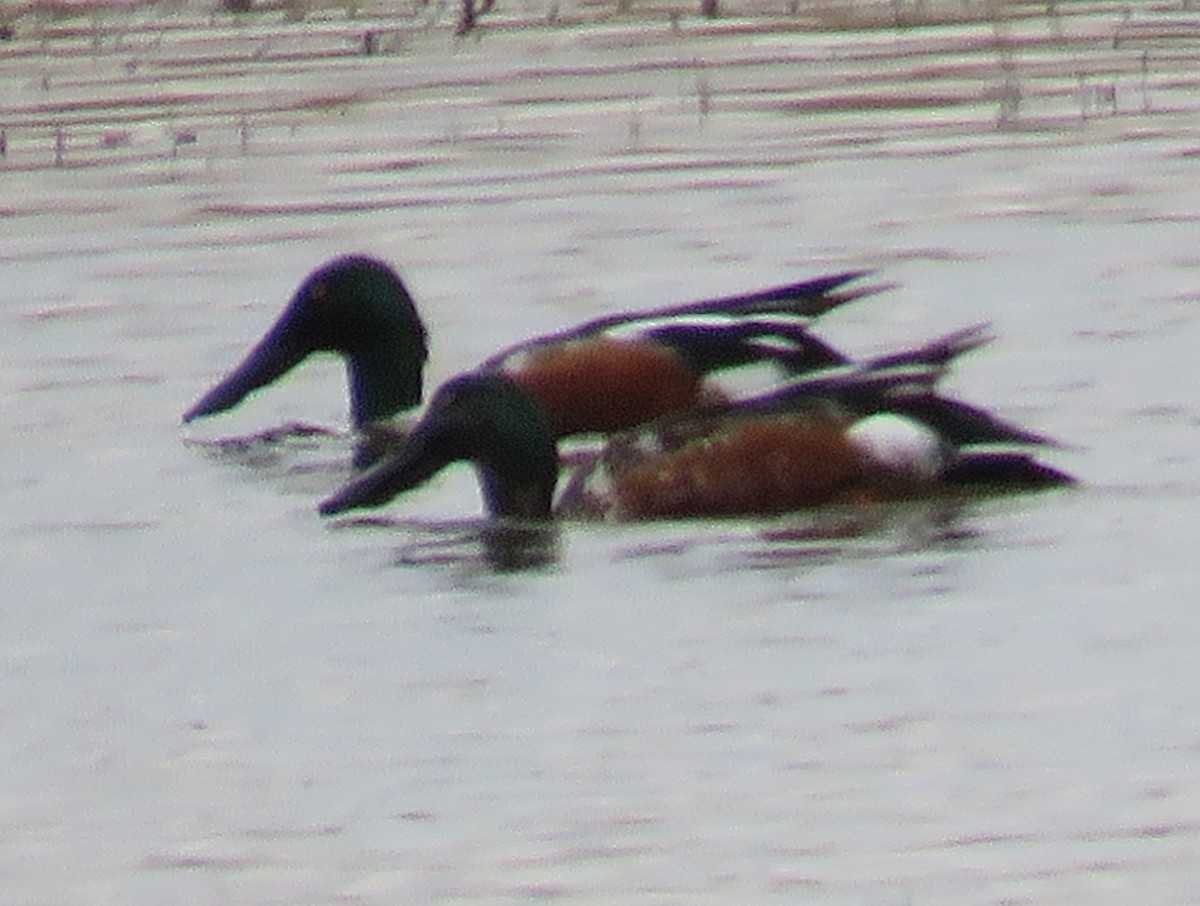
point(354, 306)
point(482, 418)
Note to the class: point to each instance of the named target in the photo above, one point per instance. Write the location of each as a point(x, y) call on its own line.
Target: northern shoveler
point(872, 432)
point(587, 379)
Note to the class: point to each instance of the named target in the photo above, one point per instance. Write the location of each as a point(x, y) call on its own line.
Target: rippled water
point(210, 695)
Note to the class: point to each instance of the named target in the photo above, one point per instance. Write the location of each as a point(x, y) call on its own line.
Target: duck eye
point(318, 291)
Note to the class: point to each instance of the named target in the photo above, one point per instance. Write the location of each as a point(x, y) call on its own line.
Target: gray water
point(210, 695)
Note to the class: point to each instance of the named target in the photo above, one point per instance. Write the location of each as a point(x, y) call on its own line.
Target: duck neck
point(510, 497)
point(515, 452)
point(385, 378)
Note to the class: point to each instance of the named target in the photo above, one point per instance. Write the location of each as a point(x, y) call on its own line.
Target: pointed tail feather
point(963, 424)
point(940, 351)
point(712, 347)
point(807, 299)
point(1003, 469)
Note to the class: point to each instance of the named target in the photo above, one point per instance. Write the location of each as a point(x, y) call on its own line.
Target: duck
point(871, 432)
point(607, 374)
